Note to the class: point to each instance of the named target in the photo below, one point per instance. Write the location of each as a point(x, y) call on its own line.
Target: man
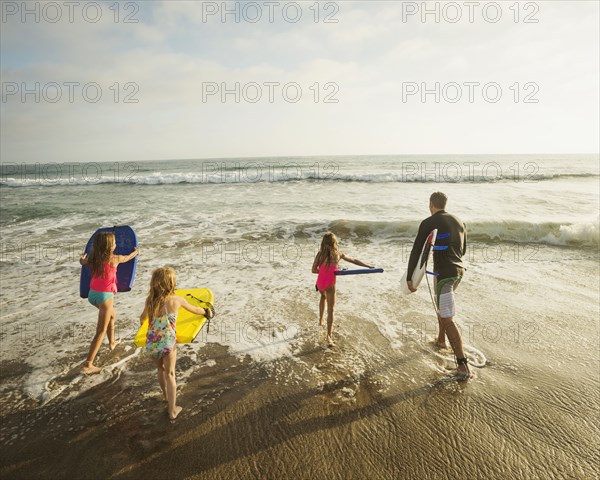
point(448, 269)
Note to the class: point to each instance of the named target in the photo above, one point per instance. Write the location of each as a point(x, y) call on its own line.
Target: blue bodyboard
point(126, 240)
point(359, 271)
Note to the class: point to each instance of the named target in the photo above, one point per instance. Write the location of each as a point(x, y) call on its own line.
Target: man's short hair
point(438, 200)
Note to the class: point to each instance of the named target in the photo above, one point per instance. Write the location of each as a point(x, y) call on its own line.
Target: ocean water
point(249, 229)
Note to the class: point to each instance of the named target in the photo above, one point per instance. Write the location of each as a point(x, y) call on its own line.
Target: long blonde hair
point(162, 285)
point(102, 250)
point(329, 251)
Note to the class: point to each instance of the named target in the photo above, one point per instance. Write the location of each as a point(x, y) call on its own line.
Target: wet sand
point(309, 417)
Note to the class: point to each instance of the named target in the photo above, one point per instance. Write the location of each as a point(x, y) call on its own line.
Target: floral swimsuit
point(160, 339)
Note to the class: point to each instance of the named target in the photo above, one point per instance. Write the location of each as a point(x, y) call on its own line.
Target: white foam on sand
point(476, 357)
point(263, 344)
point(45, 383)
point(38, 385)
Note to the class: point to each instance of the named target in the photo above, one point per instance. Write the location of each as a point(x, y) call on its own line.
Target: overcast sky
point(349, 83)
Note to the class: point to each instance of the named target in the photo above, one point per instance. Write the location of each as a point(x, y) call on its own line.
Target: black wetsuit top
point(446, 263)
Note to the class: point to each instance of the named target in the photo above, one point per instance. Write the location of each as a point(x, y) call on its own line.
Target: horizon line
point(304, 156)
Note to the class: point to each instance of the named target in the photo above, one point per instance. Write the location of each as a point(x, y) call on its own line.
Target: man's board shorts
point(444, 293)
point(96, 298)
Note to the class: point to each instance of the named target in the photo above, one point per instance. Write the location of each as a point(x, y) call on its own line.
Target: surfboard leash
point(437, 311)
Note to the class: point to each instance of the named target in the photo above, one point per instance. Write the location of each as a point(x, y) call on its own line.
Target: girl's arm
point(83, 259)
point(355, 261)
point(315, 266)
point(182, 302)
point(143, 315)
point(125, 258)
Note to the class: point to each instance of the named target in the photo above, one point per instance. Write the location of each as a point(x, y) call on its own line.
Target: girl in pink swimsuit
point(325, 265)
point(103, 265)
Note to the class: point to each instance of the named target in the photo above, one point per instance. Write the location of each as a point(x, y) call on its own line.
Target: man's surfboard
point(359, 271)
point(126, 241)
point(188, 325)
point(420, 269)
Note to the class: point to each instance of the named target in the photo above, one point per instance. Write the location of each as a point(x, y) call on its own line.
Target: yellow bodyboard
point(188, 324)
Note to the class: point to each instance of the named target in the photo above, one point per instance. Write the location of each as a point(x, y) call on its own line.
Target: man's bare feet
point(173, 415)
point(114, 344)
point(440, 345)
point(89, 369)
point(321, 322)
point(463, 372)
point(330, 342)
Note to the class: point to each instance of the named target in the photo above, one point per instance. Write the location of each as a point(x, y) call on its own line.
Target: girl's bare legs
point(330, 295)
point(322, 308)
point(105, 313)
point(162, 377)
point(169, 365)
point(110, 332)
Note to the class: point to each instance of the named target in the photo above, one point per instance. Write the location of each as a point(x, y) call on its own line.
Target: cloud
point(167, 58)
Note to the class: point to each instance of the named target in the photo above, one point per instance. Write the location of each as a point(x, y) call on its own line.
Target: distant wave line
point(232, 177)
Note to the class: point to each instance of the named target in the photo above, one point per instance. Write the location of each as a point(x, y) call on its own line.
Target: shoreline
point(338, 423)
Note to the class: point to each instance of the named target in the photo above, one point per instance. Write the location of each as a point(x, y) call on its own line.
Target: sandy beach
point(316, 419)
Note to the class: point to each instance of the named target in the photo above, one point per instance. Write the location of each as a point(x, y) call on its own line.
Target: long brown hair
point(102, 250)
point(328, 254)
point(162, 285)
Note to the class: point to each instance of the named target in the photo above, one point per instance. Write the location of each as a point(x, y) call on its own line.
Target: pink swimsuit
point(106, 283)
point(326, 277)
